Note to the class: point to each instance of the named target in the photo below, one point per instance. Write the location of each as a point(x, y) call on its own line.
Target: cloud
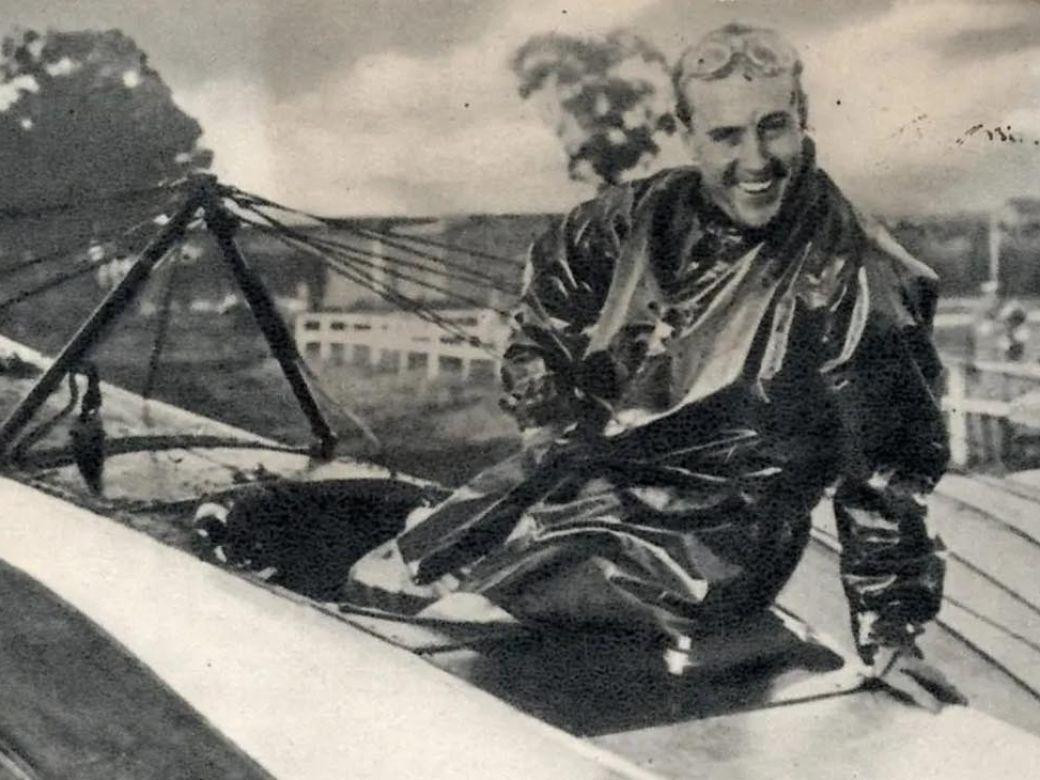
point(1013, 29)
point(242, 125)
point(409, 106)
point(290, 46)
point(445, 131)
point(890, 105)
point(406, 132)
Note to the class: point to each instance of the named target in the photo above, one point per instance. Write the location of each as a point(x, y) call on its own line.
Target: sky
point(409, 106)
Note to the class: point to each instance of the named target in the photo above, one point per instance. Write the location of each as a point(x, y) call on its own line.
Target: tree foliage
point(609, 99)
point(89, 138)
point(86, 116)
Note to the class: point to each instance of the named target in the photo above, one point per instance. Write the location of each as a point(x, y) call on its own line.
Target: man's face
point(747, 141)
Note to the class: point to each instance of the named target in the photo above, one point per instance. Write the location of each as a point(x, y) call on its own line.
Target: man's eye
point(726, 135)
point(774, 123)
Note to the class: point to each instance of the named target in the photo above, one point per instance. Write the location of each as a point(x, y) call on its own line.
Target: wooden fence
point(993, 412)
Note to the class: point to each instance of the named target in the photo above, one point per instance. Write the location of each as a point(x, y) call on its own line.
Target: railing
point(399, 340)
point(987, 418)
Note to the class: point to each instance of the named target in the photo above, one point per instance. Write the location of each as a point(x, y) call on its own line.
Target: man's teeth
point(755, 187)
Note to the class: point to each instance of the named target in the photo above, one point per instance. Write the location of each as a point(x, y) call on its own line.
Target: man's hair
point(757, 51)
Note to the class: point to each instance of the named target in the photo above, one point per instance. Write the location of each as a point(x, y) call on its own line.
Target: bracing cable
point(455, 273)
point(32, 436)
point(361, 257)
point(296, 239)
point(440, 265)
point(262, 201)
point(58, 457)
point(340, 407)
point(401, 301)
point(384, 292)
point(468, 276)
point(67, 252)
point(460, 271)
point(54, 282)
point(431, 242)
point(71, 206)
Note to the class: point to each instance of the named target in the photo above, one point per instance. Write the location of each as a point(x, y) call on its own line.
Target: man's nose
point(752, 154)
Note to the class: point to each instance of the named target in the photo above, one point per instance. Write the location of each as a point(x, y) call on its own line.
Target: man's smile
point(758, 186)
point(761, 189)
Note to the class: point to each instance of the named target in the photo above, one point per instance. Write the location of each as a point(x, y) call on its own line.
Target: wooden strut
point(223, 224)
point(204, 195)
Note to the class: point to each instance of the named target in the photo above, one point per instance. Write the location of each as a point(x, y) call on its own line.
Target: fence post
point(956, 393)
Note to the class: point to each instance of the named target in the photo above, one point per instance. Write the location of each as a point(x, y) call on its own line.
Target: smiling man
point(749, 135)
point(698, 360)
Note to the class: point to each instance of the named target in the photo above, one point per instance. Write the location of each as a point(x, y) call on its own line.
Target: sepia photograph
point(519, 389)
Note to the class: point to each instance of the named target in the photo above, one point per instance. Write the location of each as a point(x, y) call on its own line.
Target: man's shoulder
point(878, 244)
point(901, 286)
point(912, 287)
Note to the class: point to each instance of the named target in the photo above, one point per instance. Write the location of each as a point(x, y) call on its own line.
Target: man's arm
point(895, 452)
point(546, 384)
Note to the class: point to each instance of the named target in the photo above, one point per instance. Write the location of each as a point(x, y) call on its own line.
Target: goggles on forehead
point(714, 57)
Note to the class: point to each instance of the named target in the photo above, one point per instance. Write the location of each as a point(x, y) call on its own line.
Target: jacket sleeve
point(546, 383)
point(895, 451)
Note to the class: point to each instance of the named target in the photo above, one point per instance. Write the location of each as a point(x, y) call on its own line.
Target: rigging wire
point(385, 293)
point(341, 223)
point(449, 270)
point(453, 272)
point(58, 457)
point(334, 266)
point(120, 196)
point(319, 387)
point(54, 282)
point(487, 279)
point(296, 239)
point(408, 304)
point(62, 278)
point(68, 251)
point(32, 436)
point(342, 408)
point(511, 261)
point(359, 256)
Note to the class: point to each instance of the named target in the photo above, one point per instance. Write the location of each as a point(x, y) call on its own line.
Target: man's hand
point(536, 442)
point(904, 672)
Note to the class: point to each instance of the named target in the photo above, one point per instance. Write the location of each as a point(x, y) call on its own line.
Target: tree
point(89, 137)
point(610, 100)
point(84, 119)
